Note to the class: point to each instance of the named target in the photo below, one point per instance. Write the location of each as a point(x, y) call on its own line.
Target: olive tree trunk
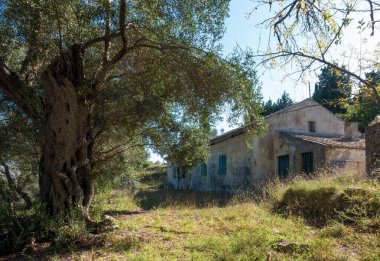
point(66, 176)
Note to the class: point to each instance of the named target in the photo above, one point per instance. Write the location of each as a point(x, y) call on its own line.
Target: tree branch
point(12, 185)
point(282, 18)
point(372, 17)
point(107, 67)
point(25, 98)
point(107, 32)
point(321, 60)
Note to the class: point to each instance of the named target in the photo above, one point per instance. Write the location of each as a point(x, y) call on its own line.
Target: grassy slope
point(224, 228)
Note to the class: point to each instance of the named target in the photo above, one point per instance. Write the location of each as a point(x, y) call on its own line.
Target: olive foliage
point(96, 79)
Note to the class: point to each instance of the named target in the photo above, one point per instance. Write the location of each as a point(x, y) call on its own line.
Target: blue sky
point(243, 30)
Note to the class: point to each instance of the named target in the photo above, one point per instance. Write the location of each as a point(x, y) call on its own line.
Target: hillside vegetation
point(332, 216)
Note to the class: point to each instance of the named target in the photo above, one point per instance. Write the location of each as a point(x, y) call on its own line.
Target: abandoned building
point(301, 138)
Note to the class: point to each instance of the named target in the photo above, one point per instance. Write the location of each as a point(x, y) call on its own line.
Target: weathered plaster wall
point(176, 177)
point(249, 167)
point(346, 159)
point(238, 174)
point(294, 148)
point(295, 119)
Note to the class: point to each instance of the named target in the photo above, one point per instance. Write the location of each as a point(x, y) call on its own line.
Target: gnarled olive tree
point(67, 64)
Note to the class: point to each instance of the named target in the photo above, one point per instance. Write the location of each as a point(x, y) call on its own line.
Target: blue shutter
point(174, 172)
point(222, 164)
point(203, 169)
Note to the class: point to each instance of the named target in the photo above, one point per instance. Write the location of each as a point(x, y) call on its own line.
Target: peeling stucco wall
point(238, 175)
point(250, 166)
point(294, 148)
point(295, 119)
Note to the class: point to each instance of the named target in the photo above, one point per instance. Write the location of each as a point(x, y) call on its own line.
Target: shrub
point(316, 205)
point(14, 231)
point(19, 229)
point(325, 198)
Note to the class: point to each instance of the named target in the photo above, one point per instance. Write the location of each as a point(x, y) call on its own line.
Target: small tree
point(281, 103)
point(332, 89)
point(365, 107)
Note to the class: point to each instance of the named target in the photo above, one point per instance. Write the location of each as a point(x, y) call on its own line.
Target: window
point(283, 166)
point(307, 162)
point(311, 126)
point(203, 169)
point(222, 164)
point(174, 172)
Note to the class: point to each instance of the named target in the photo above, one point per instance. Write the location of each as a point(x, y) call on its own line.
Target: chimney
point(351, 130)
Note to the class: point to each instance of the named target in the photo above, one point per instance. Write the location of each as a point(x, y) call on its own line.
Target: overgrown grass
point(167, 225)
point(328, 196)
point(153, 177)
point(20, 230)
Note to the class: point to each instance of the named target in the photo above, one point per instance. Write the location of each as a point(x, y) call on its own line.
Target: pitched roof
point(327, 140)
point(300, 105)
point(228, 135)
point(295, 107)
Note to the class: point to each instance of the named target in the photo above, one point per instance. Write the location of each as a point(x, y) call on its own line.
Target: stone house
point(301, 138)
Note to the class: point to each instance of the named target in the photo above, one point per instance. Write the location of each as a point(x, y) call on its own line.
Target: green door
point(283, 166)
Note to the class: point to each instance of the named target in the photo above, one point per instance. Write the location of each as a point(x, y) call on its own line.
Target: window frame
point(222, 170)
point(281, 159)
point(312, 126)
point(307, 167)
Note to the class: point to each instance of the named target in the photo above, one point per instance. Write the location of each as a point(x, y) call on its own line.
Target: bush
point(14, 230)
point(326, 198)
point(19, 229)
point(316, 205)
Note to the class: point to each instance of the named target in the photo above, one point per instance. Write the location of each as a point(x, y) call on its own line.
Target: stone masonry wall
point(372, 142)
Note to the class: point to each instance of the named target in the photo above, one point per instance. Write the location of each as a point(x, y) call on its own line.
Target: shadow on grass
point(169, 198)
point(123, 212)
point(85, 249)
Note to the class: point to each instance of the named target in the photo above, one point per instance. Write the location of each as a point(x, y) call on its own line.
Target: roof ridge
point(291, 106)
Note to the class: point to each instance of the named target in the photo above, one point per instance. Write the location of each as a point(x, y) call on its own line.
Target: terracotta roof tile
point(329, 141)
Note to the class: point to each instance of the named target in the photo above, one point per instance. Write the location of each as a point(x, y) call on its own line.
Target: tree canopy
point(281, 103)
point(94, 79)
point(364, 108)
point(333, 89)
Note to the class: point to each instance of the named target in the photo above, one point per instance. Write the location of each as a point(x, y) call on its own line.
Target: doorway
point(283, 166)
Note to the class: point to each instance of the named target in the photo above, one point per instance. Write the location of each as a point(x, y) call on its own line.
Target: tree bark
point(66, 176)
